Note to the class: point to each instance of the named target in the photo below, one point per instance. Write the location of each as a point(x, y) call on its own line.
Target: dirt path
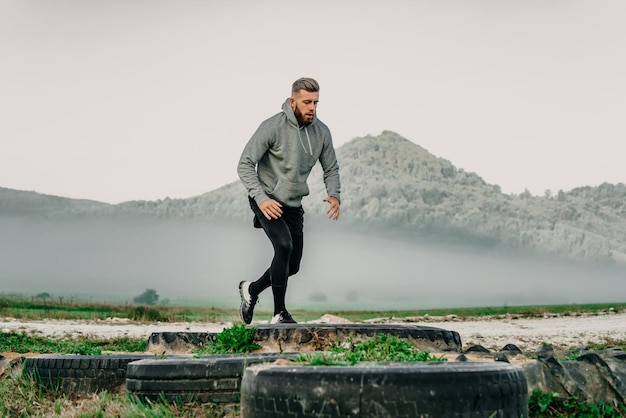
point(101, 329)
point(529, 334)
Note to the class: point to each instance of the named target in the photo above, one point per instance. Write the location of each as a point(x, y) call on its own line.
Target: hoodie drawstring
point(310, 150)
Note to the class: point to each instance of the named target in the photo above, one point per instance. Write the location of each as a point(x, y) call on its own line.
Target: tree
point(43, 296)
point(149, 297)
point(525, 194)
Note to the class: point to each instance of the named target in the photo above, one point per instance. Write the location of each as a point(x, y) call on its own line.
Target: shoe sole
point(242, 302)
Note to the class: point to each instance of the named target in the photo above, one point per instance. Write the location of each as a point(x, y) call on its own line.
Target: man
point(274, 167)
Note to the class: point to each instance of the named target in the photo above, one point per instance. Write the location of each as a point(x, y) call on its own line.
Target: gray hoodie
point(278, 159)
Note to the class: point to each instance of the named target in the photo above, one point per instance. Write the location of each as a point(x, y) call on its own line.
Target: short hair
point(305, 83)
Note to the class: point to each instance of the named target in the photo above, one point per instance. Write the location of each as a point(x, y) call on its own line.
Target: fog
point(203, 262)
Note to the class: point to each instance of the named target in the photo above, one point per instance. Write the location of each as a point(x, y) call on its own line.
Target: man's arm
point(254, 150)
point(252, 153)
point(328, 161)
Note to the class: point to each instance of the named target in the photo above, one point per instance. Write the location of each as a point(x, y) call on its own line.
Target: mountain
point(393, 187)
point(22, 203)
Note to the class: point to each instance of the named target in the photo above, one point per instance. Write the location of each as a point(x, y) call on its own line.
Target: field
point(22, 307)
point(23, 397)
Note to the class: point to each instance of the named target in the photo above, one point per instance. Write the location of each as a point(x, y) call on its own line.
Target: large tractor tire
point(407, 390)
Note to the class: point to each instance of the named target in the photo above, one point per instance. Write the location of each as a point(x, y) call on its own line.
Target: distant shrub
point(149, 297)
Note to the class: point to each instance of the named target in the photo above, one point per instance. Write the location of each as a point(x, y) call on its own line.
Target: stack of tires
point(215, 379)
point(266, 388)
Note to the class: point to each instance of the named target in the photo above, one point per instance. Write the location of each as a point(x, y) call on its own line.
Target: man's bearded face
point(304, 105)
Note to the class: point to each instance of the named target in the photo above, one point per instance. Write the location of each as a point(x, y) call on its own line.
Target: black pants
point(287, 237)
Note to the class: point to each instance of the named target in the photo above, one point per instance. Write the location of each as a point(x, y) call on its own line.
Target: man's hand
point(333, 210)
point(271, 209)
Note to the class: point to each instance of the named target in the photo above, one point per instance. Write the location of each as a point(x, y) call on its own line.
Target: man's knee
point(293, 269)
point(284, 247)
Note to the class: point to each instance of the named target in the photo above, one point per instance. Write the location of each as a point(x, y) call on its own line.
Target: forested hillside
point(23, 203)
point(391, 185)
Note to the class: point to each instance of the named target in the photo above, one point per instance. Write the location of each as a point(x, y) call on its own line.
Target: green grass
point(606, 344)
point(382, 348)
point(552, 405)
point(23, 343)
point(21, 307)
point(22, 396)
point(236, 339)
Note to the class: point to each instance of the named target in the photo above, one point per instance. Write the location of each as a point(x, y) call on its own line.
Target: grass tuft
point(233, 340)
point(383, 348)
point(547, 405)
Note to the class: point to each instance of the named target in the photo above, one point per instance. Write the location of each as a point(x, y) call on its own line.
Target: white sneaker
point(246, 311)
point(283, 317)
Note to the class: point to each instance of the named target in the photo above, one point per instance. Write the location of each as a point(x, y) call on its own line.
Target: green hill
point(22, 203)
point(394, 187)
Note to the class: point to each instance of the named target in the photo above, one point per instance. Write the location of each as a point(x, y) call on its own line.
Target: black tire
point(208, 379)
point(319, 337)
point(77, 374)
point(391, 390)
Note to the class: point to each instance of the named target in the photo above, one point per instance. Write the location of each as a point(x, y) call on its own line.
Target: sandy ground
point(529, 334)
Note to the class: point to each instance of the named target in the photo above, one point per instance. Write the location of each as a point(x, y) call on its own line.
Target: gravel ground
point(529, 334)
point(107, 328)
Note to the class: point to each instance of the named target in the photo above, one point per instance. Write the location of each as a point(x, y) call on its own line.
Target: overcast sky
point(117, 100)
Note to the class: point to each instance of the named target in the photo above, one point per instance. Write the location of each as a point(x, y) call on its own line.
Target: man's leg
point(294, 220)
point(294, 217)
point(279, 233)
point(249, 291)
point(261, 283)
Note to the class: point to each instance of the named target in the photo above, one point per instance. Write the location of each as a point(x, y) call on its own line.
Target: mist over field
point(416, 232)
point(202, 260)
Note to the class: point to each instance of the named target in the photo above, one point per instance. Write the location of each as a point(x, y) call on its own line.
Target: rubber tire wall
point(396, 390)
point(78, 374)
point(215, 379)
